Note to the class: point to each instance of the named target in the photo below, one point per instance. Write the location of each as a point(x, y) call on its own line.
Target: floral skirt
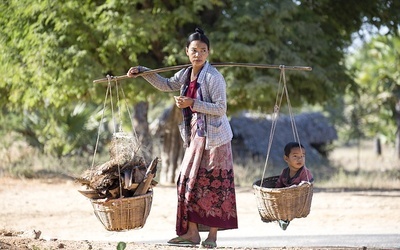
point(206, 188)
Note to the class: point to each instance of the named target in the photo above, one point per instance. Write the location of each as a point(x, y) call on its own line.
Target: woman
point(206, 190)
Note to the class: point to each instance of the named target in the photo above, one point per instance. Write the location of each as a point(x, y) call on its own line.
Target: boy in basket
point(295, 173)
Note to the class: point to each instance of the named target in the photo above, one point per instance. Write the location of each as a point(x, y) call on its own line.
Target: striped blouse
point(213, 87)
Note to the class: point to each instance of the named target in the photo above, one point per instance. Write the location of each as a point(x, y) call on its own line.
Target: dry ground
point(66, 221)
point(65, 218)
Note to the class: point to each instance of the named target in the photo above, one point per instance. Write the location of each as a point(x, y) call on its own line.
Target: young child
point(296, 172)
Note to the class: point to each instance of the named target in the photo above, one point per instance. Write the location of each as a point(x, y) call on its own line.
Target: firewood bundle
point(125, 172)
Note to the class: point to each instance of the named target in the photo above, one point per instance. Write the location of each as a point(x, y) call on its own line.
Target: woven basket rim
point(267, 189)
point(149, 193)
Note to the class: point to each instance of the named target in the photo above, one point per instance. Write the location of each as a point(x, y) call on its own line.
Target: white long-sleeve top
point(213, 88)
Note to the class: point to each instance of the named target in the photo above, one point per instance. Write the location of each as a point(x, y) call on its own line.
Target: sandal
point(208, 244)
point(181, 241)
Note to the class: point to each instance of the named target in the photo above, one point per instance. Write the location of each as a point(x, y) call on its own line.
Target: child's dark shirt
point(284, 180)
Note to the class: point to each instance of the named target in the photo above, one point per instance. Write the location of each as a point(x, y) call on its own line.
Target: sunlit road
point(388, 241)
point(368, 241)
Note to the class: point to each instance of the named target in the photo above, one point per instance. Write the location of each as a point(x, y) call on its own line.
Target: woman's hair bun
point(198, 30)
point(198, 35)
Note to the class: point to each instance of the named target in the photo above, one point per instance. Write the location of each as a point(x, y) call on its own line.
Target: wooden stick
point(150, 173)
point(222, 64)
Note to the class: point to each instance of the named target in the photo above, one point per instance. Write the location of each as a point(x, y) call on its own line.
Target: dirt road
point(66, 221)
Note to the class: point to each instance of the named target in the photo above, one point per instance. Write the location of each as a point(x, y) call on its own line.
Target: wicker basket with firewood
point(120, 190)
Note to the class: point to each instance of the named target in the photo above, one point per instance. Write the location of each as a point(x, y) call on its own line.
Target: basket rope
point(282, 91)
point(100, 123)
point(119, 214)
point(116, 118)
point(282, 203)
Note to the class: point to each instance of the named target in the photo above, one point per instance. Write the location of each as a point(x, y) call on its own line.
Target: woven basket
point(282, 203)
point(124, 213)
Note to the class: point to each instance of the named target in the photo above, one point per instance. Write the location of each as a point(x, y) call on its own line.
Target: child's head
point(295, 155)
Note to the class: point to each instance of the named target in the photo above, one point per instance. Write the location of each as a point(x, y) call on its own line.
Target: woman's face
point(197, 53)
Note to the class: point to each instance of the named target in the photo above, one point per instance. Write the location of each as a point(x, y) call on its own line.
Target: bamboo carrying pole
point(222, 64)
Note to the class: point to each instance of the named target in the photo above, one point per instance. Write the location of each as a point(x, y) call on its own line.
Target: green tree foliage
point(376, 68)
point(51, 51)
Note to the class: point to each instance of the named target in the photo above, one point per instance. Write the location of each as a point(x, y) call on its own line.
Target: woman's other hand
point(133, 71)
point(183, 101)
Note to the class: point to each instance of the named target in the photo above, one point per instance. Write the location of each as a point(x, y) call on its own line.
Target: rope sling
point(282, 204)
point(131, 203)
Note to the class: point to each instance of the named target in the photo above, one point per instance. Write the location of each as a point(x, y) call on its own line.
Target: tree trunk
point(378, 146)
point(397, 108)
point(141, 126)
point(172, 146)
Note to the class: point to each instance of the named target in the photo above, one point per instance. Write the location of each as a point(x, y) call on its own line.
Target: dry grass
point(352, 167)
point(358, 166)
point(23, 161)
point(363, 156)
point(355, 167)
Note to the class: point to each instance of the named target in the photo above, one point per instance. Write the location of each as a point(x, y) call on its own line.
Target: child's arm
point(279, 182)
point(306, 175)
